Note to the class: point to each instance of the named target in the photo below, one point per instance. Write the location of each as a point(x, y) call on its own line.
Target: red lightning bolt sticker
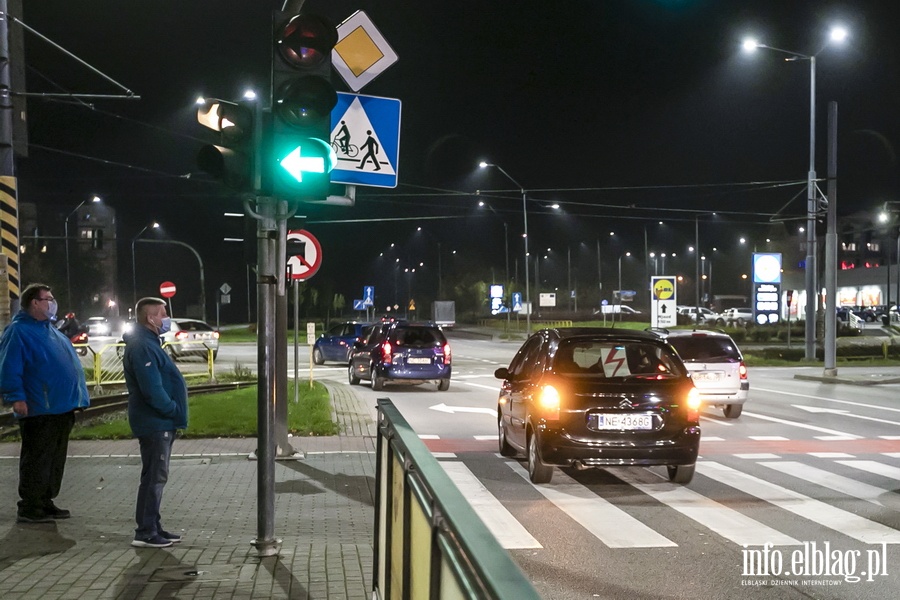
point(612, 359)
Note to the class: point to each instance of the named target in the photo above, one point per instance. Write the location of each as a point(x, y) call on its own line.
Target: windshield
point(605, 358)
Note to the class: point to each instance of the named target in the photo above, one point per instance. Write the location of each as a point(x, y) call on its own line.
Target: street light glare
point(483, 164)
point(249, 95)
point(882, 217)
point(750, 45)
point(838, 34)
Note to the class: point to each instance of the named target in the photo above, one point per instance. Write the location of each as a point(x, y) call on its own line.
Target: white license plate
point(621, 421)
point(708, 375)
point(418, 361)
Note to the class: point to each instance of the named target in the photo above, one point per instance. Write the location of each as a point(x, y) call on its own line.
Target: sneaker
point(33, 516)
point(155, 541)
point(54, 512)
point(172, 537)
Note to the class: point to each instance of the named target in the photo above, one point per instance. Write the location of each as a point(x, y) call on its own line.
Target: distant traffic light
point(232, 159)
point(301, 157)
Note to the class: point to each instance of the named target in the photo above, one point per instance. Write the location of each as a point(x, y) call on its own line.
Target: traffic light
point(232, 160)
point(301, 157)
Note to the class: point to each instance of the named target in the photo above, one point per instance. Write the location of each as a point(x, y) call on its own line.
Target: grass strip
point(228, 414)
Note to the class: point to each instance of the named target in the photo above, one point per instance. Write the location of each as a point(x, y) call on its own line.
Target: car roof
point(691, 333)
point(611, 332)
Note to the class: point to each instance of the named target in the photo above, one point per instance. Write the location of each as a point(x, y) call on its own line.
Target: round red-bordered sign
point(302, 267)
point(167, 289)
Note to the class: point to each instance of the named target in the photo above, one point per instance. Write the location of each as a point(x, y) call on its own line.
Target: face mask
point(51, 310)
point(165, 325)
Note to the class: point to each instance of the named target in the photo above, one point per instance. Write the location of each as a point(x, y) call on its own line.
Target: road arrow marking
point(463, 409)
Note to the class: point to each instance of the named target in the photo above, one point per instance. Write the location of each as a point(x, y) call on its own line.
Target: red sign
point(167, 289)
point(308, 259)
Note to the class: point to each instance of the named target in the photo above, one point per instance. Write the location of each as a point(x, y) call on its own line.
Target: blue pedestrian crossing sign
point(365, 136)
point(368, 295)
point(517, 302)
point(359, 304)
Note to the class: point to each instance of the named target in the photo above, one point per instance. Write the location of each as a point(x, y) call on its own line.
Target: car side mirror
point(502, 373)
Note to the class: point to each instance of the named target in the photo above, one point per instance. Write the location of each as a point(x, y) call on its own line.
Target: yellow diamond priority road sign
point(361, 53)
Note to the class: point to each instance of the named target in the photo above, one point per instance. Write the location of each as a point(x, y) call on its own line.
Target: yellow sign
point(664, 289)
point(412, 305)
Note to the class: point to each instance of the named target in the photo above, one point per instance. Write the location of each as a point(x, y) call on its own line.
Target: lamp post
point(154, 225)
point(66, 226)
point(838, 34)
point(199, 262)
point(505, 236)
point(524, 237)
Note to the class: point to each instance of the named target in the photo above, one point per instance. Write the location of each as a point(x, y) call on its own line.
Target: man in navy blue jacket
point(157, 407)
point(43, 380)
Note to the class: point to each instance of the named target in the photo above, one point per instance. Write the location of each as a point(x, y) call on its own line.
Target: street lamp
point(524, 237)
point(838, 34)
point(94, 199)
point(154, 225)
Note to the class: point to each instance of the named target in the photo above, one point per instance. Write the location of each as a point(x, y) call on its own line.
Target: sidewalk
point(323, 515)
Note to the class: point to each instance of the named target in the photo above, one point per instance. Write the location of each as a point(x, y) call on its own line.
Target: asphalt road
point(810, 468)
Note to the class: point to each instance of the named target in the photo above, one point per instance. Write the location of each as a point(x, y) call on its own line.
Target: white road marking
point(840, 434)
point(768, 438)
point(729, 523)
point(829, 480)
point(874, 467)
point(611, 525)
point(836, 401)
point(759, 456)
point(864, 530)
point(508, 531)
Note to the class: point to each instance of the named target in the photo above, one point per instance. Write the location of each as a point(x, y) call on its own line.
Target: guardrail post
point(97, 372)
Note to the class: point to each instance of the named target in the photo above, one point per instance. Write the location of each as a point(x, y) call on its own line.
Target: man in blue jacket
point(157, 407)
point(42, 378)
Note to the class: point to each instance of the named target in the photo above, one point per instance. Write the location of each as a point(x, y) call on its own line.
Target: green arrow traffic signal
point(310, 156)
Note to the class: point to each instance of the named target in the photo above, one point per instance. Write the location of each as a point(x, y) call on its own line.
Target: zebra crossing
point(800, 491)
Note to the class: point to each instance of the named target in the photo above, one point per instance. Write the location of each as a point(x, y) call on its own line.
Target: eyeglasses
point(47, 299)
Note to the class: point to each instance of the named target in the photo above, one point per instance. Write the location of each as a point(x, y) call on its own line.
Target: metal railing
point(429, 542)
point(104, 367)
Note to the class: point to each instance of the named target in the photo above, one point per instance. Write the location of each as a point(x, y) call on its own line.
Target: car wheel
point(351, 376)
point(680, 473)
point(377, 382)
point(317, 357)
point(720, 322)
point(538, 472)
point(740, 322)
point(733, 411)
point(443, 385)
point(505, 448)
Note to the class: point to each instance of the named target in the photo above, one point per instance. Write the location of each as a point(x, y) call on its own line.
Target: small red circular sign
point(167, 289)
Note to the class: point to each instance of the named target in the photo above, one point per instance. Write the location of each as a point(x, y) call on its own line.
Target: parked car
point(401, 352)
point(594, 397)
point(706, 315)
point(336, 343)
point(187, 337)
point(736, 316)
point(716, 365)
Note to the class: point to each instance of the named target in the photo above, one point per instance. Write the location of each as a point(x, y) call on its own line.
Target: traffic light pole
point(267, 277)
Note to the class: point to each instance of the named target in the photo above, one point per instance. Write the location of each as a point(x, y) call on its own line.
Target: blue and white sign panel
point(517, 301)
point(359, 304)
point(368, 295)
point(365, 136)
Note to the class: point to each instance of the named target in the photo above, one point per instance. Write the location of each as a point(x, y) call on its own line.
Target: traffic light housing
point(300, 156)
point(232, 159)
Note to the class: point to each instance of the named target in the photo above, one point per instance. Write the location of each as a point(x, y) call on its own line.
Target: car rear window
point(193, 326)
point(605, 358)
point(706, 349)
point(417, 337)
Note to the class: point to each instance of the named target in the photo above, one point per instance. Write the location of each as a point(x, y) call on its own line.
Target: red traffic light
point(306, 40)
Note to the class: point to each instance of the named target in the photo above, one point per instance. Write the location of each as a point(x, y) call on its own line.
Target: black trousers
point(42, 462)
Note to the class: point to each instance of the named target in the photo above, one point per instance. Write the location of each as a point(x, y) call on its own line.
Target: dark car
point(336, 343)
point(594, 397)
point(399, 351)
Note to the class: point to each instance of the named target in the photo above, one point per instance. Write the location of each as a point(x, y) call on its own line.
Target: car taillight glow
point(446, 354)
point(181, 335)
point(549, 402)
point(386, 352)
point(215, 335)
point(693, 403)
point(742, 370)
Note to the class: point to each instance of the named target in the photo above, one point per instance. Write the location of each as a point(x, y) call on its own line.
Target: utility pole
point(9, 208)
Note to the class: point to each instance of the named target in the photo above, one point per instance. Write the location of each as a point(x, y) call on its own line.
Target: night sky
point(624, 112)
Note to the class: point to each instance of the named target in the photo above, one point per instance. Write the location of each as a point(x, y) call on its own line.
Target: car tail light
point(548, 400)
point(693, 403)
point(742, 371)
point(386, 352)
point(215, 335)
point(81, 338)
point(447, 354)
point(181, 335)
